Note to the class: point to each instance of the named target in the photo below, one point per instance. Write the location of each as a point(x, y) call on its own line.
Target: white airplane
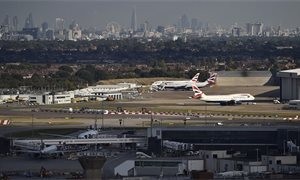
point(37, 148)
point(162, 85)
point(212, 80)
point(91, 132)
point(88, 134)
point(230, 99)
point(41, 150)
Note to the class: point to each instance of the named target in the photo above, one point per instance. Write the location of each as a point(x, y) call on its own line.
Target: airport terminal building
point(289, 84)
point(240, 138)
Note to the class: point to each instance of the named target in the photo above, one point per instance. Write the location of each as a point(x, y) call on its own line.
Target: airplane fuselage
point(228, 99)
point(182, 84)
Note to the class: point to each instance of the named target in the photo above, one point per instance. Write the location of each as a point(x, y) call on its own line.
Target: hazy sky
point(98, 13)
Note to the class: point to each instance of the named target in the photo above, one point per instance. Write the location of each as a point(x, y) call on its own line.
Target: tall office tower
point(145, 27)
point(194, 24)
point(29, 21)
point(249, 29)
point(59, 24)
point(7, 23)
point(257, 29)
point(185, 21)
point(45, 27)
point(133, 20)
point(179, 27)
point(74, 25)
point(236, 32)
point(15, 23)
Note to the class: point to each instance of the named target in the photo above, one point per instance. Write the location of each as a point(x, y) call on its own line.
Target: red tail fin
point(197, 92)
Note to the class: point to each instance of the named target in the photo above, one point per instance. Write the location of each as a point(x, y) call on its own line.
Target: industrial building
point(289, 84)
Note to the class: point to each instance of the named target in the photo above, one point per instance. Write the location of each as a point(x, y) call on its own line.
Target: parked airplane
point(162, 85)
point(88, 134)
point(229, 99)
point(40, 149)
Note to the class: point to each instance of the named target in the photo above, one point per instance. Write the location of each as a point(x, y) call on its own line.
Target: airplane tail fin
point(197, 92)
point(195, 78)
point(212, 79)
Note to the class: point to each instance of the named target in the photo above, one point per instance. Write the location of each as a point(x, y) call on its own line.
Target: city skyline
point(99, 13)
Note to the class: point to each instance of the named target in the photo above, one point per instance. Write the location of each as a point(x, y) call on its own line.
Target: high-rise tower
point(15, 23)
point(29, 21)
point(59, 24)
point(133, 20)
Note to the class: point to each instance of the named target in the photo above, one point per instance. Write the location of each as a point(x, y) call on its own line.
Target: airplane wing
point(57, 135)
point(28, 151)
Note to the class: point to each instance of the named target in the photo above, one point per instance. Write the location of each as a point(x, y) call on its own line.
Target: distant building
point(160, 29)
point(133, 20)
point(289, 84)
point(254, 29)
point(194, 24)
point(45, 26)
point(51, 98)
point(236, 32)
point(257, 29)
point(59, 24)
point(29, 21)
point(15, 24)
point(185, 23)
point(50, 34)
point(34, 32)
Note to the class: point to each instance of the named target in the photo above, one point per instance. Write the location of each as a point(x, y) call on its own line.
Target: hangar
point(289, 84)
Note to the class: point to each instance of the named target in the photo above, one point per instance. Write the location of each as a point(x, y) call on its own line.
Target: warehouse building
point(289, 84)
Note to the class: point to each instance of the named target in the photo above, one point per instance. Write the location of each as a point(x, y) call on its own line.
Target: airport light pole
point(96, 119)
point(32, 125)
point(102, 124)
point(257, 154)
point(205, 116)
point(151, 123)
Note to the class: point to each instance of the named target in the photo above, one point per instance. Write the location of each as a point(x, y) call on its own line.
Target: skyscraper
point(257, 29)
point(29, 21)
point(45, 27)
point(59, 24)
point(185, 21)
point(133, 20)
point(7, 23)
point(15, 23)
point(194, 24)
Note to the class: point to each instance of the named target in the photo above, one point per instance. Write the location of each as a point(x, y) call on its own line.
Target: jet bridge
point(74, 141)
